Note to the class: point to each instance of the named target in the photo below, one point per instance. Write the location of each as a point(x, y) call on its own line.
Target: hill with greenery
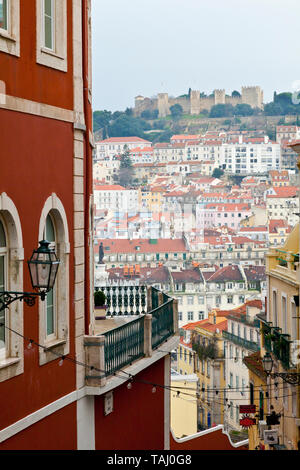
point(150, 127)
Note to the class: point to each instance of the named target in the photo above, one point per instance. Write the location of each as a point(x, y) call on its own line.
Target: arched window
point(11, 279)
point(54, 311)
point(3, 286)
point(51, 300)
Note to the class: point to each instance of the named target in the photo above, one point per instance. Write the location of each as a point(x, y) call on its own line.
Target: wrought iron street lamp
point(43, 267)
point(292, 378)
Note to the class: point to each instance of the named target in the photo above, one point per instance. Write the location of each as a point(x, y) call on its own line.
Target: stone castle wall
point(194, 104)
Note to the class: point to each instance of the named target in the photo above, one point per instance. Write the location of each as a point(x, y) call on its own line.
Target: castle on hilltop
point(194, 102)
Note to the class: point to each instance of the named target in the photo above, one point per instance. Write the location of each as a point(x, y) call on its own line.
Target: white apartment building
point(253, 156)
point(108, 148)
point(166, 152)
point(198, 291)
point(115, 198)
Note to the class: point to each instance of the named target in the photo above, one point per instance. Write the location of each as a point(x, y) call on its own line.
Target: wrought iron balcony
point(276, 342)
point(244, 343)
point(138, 320)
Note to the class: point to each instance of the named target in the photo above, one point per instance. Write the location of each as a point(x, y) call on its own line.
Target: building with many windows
point(58, 366)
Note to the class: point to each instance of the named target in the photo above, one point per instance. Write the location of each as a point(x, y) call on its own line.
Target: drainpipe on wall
point(88, 160)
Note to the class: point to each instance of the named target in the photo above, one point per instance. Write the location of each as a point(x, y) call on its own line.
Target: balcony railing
point(125, 300)
point(150, 318)
point(277, 343)
point(123, 345)
point(244, 343)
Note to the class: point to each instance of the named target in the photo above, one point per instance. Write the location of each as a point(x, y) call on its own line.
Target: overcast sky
point(144, 47)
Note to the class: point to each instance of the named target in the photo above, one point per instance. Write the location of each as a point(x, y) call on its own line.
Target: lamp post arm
point(7, 298)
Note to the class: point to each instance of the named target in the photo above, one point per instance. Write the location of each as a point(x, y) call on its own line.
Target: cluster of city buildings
point(216, 246)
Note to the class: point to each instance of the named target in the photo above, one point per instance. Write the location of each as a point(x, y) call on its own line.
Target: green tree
point(243, 110)
point(273, 109)
point(235, 93)
point(217, 173)
point(150, 114)
point(101, 119)
point(127, 126)
point(221, 110)
point(176, 111)
point(125, 175)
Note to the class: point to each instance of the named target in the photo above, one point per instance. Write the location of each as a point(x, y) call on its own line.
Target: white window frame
point(59, 342)
point(12, 361)
point(284, 314)
point(57, 57)
point(53, 20)
point(4, 253)
point(51, 336)
point(10, 37)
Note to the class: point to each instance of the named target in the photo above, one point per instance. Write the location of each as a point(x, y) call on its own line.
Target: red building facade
point(45, 191)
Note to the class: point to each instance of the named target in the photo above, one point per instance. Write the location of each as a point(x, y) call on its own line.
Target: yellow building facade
point(279, 340)
point(208, 344)
point(184, 405)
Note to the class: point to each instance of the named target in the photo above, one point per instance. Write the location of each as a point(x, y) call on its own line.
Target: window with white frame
point(190, 316)
point(284, 313)
point(51, 33)
point(48, 24)
point(10, 27)
point(11, 279)
point(274, 301)
point(54, 311)
point(51, 299)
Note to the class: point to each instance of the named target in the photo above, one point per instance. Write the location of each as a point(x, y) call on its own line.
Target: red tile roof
point(123, 139)
point(207, 325)
point(109, 187)
point(163, 245)
point(227, 273)
point(284, 191)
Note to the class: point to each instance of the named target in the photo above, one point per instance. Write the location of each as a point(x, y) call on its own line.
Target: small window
point(49, 26)
point(49, 234)
point(4, 14)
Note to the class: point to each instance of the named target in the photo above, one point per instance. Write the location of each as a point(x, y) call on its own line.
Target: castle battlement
point(193, 103)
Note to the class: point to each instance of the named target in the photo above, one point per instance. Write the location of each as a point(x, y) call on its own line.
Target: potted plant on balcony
point(99, 305)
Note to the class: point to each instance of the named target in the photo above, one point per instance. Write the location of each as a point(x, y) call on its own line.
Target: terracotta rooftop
point(146, 275)
point(227, 273)
point(163, 245)
point(187, 275)
point(255, 273)
point(254, 363)
point(132, 139)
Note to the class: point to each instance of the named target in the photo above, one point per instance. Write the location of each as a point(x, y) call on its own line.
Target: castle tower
point(219, 96)
point(252, 95)
point(138, 104)
point(163, 104)
point(195, 102)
